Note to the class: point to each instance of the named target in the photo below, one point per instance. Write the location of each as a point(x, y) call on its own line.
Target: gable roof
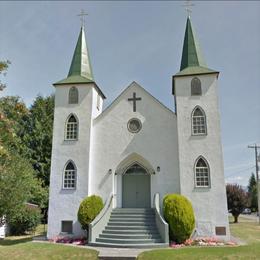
point(125, 90)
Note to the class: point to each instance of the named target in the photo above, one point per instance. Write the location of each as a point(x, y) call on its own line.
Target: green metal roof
point(80, 68)
point(192, 61)
point(195, 71)
point(191, 53)
point(73, 80)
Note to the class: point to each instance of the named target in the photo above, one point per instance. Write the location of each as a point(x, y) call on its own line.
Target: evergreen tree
point(40, 136)
point(252, 190)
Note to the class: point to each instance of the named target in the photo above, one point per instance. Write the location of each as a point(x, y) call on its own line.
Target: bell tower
point(78, 100)
point(195, 90)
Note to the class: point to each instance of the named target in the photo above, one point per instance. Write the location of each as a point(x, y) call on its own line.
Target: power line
point(240, 171)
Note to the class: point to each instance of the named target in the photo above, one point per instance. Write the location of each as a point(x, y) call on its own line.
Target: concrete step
point(143, 220)
point(120, 215)
point(131, 210)
point(127, 231)
point(134, 228)
point(128, 241)
point(128, 227)
point(136, 223)
point(130, 236)
point(145, 212)
point(151, 245)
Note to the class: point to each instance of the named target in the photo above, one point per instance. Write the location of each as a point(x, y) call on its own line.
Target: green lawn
point(246, 230)
point(22, 247)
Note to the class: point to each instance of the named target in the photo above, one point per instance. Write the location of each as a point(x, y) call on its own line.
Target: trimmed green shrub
point(24, 220)
point(178, 212)
point(89, 208)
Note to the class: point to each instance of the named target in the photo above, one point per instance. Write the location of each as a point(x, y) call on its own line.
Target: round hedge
point(89, 208)
point(178, 212)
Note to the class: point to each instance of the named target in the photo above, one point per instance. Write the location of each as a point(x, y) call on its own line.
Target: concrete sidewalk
point(107, 253)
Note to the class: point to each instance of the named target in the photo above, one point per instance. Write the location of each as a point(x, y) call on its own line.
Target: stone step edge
point(128, 241)
point(125, 228)
point(136, 232)
point(115, 245)
point(131, 236)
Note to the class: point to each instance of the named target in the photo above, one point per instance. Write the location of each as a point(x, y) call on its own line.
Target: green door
point(136, 188)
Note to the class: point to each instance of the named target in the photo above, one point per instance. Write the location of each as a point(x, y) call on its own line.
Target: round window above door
point(134, 125)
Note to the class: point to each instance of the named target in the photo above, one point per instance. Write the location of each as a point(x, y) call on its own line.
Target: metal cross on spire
point(188, 5)
point(82, 17)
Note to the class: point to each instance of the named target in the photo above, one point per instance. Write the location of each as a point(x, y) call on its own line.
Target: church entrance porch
point(136, 188)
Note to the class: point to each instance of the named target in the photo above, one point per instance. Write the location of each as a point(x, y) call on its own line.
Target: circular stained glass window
point(134, 125)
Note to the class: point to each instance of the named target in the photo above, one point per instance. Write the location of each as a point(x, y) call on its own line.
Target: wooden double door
point(136, 188)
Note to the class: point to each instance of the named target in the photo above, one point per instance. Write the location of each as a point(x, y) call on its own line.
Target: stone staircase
point(131, 227)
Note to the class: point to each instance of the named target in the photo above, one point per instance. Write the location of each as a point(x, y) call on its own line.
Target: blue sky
point(142, 41)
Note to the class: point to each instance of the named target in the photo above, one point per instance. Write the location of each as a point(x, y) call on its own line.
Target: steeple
point(80, 64)
point(80, 68)
point(192, 61)
point(191, 53)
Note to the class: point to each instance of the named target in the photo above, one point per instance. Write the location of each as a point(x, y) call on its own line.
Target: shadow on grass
point(11, 242)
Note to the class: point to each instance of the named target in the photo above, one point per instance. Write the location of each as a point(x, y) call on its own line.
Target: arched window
point(71, 128)
point(73, 95)
point(199, 124)
point(202, 178)
point(136, 169)
point(195, 87)
point(69, 177)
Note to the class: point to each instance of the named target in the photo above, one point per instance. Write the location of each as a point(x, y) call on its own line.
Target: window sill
point(199, 134)
point(202, 189)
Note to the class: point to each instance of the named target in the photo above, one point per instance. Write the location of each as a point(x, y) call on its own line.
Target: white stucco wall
point(156, 143)
point(165, 140)
point(64, 203)
point(210, 204)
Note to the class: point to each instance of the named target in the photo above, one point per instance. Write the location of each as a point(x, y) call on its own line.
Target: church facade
point(137, 147)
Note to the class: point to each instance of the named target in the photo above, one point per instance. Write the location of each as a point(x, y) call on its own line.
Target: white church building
point(135, 152)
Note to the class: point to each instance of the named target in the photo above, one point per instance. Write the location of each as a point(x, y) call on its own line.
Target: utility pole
point(255, 146)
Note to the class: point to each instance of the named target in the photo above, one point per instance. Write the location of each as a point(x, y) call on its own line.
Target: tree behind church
point(19, 184)
point(237, 200)
point(39, 139)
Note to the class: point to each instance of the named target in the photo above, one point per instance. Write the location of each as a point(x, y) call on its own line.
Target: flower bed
point(203, 241)
point(69, 240)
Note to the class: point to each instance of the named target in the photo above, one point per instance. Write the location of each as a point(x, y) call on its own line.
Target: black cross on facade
point(134, 99)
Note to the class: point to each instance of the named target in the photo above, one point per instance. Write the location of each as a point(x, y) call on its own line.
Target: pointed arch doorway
point(136, 187)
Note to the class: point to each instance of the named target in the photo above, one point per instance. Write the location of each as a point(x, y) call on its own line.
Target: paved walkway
point(107, 253)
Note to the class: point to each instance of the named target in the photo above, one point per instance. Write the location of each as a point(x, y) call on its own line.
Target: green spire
point(80, 64)
point(80, 68)
point(191, 53)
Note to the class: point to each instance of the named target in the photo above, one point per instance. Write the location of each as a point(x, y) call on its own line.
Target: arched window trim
point(63, 176)
point(73, 99)
point(205, 120)
point(192, 87)
point(66, 128)
point(195, 173)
